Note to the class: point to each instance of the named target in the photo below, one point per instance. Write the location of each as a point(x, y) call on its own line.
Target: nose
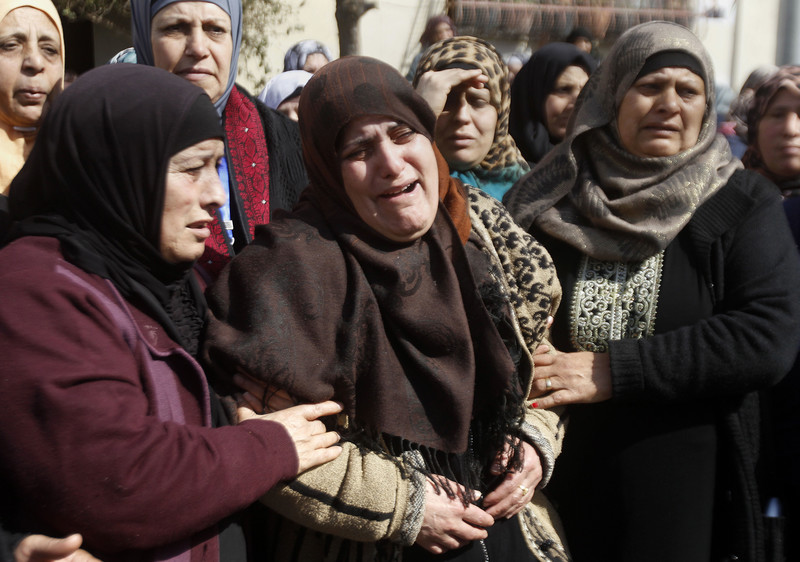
point(668, 100)
point(461, 112)
point(573, 97)
point(390, 159)
point(792, 127)
point(33, 61)
point(197, 44)
point(214, 195)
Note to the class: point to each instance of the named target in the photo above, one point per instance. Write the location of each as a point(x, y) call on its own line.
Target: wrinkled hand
point(435, 85)
point(314, 444)
point(447, 523)
point(39, 548)
point(581, 377)
point(261, 397)
point(517, 488)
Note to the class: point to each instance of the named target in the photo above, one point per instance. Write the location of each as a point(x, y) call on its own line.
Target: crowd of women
point(436, 319)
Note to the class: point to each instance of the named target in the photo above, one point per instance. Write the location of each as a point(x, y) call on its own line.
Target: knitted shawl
point(593, 194)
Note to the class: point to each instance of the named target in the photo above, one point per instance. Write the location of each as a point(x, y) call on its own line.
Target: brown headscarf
point(325, 307)
point(471, 52)
point(787, 77)
point(593, 194)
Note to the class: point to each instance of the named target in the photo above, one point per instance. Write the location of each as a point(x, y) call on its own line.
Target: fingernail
point(534, 404)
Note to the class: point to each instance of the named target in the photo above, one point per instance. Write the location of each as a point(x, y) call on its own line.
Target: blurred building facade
point(740, 34)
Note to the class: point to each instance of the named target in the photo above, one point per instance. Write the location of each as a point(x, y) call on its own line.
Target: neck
point(15, 145)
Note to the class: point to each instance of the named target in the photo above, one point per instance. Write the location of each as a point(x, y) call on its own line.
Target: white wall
point(389, 32)
point(743, 40)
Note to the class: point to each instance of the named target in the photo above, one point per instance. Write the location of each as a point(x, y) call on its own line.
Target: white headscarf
point(282, 86)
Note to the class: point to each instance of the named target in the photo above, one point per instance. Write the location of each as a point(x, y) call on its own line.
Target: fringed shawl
point(596, 196)
point(324, 307)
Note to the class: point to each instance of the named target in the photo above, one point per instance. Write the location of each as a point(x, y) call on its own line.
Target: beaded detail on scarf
point(613, 301)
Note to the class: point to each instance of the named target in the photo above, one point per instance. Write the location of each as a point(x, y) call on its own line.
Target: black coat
point(715, 346)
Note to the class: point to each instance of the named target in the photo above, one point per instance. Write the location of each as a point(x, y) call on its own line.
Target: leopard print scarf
point(480, 54)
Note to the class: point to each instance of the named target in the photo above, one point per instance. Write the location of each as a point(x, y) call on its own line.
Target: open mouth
point(407, 189)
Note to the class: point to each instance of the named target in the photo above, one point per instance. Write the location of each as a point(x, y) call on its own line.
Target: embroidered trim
point(614, 301)
point(248, 170)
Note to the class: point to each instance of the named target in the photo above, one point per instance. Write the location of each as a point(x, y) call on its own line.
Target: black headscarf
point(96, 180)
point(534, 82)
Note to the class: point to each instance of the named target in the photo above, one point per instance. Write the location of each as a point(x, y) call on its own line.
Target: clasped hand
point(449, 524)
point(579, 377)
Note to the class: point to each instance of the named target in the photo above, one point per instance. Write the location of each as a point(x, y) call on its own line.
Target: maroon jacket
point(105, 423)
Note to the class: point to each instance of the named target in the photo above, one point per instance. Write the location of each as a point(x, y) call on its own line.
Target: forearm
point(749, 341)
point(361, 495)
point(544, 430)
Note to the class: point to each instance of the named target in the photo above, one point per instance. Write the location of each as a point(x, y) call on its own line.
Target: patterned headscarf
point(472, 52)
point(142, 13)
point(787, 77)
point(596, 196)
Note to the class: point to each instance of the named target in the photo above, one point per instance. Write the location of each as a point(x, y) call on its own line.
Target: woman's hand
point(261, 397)
point(447, 523)
point(517, 488)
point(580, 377)
point(435, 85)
point(314, 444)
point(39, 548)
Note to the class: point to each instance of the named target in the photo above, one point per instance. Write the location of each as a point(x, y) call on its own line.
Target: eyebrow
point(22, 35)
point(366, 138)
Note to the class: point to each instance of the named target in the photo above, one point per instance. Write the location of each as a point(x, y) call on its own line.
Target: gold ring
point(524, 490)
point(548, 383)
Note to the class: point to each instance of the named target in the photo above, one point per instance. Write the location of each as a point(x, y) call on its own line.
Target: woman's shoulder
point(753, 184)
point(35, 261)
point(273, 121)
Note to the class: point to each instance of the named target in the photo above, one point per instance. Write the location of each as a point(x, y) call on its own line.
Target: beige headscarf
point(15, 145)
point(593, 194)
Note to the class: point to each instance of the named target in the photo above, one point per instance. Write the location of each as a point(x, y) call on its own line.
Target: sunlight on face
point(193, 40)
point(466, 127)
point(391, 176)
point(192, 196)
point(662, 112)
point(30, 66)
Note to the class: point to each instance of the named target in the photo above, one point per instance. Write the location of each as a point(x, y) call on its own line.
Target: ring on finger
point(548, 384)
point(524, 490)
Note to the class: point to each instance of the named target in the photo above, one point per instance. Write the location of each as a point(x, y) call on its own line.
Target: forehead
point(672, 73)
point(27, 15)
point(470, 91)
point(200, 10)
point(363, 125)
point(786, 96)
point(207, 147)
point(572, 73)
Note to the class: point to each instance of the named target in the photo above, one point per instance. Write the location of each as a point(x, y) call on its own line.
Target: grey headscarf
point(593, 194)
point(295, 58)
point(142, 12)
